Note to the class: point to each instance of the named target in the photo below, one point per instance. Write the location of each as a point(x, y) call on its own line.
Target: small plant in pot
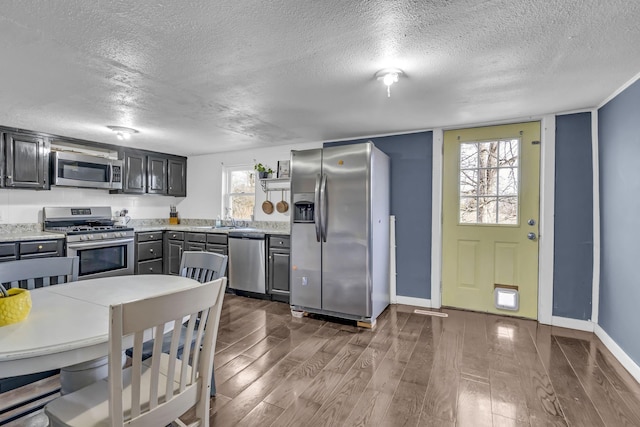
point(263, 170)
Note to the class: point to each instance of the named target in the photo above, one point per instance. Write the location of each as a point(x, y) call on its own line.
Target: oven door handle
point(98, 244)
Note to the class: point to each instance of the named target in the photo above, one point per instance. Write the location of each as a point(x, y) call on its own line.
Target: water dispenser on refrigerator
point(303, 207)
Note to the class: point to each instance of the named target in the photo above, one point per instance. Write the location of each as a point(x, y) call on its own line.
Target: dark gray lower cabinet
point(176, 242)
point(12, 251)
point(278, 267)
point(218, 243)
point(173, 248)
point(149, 253)
point(195, 242)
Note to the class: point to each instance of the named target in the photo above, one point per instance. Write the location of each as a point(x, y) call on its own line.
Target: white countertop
point(207, 229)
point(30, 235)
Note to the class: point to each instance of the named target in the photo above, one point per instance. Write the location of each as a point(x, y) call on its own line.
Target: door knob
point(531, 236)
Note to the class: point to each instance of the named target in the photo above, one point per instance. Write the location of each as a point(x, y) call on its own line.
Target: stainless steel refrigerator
point(340, 231)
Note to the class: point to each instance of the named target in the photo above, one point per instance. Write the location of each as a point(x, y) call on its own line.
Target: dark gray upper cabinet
point(26, 161)
point(135, 172)
point(156, 175)
point(177, 177)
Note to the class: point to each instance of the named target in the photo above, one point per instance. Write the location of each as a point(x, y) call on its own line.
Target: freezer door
point(306, 276)
point(306, 251)
point(346, 282)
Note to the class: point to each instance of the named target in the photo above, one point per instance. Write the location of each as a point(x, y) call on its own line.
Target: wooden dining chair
point(39, 272)
point(203, 266)
point(200, 266)
point(31, 274)
point(158, 390)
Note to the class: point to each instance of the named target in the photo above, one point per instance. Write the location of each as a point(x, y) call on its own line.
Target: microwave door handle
point(110, 175)
point(316, 209)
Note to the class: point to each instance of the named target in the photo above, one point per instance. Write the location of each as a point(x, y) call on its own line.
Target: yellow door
point(491, 196)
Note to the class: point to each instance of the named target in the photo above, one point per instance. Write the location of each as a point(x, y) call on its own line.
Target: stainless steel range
point(104, 249)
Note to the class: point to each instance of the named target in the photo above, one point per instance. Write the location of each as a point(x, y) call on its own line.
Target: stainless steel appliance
point(340, 231)
point(104, 249)
point(82, 170)
point(247, 258)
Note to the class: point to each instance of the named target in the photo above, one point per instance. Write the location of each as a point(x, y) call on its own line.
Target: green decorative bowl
point(16, 307)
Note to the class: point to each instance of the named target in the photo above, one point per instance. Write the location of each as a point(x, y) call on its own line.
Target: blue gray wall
point(411, 176)
point(619, 155)
point(573, 246)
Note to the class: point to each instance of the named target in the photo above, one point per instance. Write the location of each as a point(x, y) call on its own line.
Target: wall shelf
point(275, 184)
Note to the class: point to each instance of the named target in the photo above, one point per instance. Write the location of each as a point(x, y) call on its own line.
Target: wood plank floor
point(468, 369)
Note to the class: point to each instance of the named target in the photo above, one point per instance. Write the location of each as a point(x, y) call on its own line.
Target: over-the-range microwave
point(83, 170)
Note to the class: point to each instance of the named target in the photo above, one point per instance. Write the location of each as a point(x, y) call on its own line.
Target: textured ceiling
point(208, 76)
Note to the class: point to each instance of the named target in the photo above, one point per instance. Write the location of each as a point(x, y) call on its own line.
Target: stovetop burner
point(86, 223)
point(86, 229)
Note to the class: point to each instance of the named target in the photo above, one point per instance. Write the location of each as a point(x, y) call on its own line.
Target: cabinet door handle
point(151, 250)
point(151, 269)
point(39, 246)
point(151, 237)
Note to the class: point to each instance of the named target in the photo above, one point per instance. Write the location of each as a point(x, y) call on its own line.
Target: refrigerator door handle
point(316, 215)
point(323, 207)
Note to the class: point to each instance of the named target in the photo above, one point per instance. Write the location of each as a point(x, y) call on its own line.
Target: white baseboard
point(619, 353)
point(418, 302)
point(566, 322)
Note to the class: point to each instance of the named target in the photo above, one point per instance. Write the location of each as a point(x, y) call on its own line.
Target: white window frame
point(226, 189)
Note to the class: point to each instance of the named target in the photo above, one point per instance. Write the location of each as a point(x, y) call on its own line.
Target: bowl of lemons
point(15, 305)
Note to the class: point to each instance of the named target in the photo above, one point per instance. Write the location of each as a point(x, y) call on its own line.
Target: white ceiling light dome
point(389, 76)
point(123, 132)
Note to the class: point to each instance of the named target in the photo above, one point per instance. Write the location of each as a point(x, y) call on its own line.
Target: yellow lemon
point(16, 307)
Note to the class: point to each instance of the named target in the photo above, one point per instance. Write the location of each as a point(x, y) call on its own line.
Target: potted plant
point(263, 170)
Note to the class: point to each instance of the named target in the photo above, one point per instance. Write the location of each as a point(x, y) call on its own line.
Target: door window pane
point(468, 155)
point(489, 182)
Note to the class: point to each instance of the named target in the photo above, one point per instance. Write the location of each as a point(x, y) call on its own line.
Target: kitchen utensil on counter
point(122, 219)
point(282, 206)
point(173, 215)
point(267, 206)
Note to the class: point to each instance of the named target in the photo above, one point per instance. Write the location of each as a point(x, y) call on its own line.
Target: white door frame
point(546, 230)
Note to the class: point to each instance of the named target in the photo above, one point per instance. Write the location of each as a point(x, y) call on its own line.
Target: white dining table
point(68, 326)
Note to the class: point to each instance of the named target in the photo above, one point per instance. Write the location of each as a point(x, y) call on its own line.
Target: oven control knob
point(119, 234)
point(83, 237)
point(105, 236)
point(90, 237)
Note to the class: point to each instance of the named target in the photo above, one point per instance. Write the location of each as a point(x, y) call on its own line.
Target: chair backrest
point(203, 266)
point(32, 273)
point(165, 386)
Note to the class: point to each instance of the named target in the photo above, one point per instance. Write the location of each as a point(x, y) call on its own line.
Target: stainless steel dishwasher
point(247, 260)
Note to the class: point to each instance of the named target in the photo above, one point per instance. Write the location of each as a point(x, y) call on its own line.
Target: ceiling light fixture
point(389, 76)
point(122, 132)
